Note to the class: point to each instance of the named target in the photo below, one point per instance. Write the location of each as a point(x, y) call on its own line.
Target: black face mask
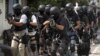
point(41, 12)
point(79, 12)
point(17, 12)
point(28, 13)
point(69, 8)
point(48, 13)
point(70, 12)
point(55, 16)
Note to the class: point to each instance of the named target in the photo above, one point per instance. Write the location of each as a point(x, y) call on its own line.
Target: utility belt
point(21, 36)
point(32, 33)
point(20, 33)
point(16, 28)
point(71, 33)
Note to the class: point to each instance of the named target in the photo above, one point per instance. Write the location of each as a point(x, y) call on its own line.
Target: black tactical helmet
point(41, 8)
point(69, 6)
point(92, 3)
point(26, 10)
point(17, 7)
point(90, 9)
point(62, 9)
point(84, 9)
point(79, 9)
point(55, 12)
point(48, 5)
point(47, 10)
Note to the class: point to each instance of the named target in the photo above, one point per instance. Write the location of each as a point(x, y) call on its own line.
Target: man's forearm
point(33, 24)
point(17, 24)
point(60, 27)
point(77, 27)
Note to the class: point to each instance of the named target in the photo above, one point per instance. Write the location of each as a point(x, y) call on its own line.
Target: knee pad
point(33, 47)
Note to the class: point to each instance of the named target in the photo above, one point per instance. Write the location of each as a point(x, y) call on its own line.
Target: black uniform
point(61, 35)
point(85, 36)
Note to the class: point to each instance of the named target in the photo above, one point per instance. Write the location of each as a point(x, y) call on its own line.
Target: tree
point(35, 3)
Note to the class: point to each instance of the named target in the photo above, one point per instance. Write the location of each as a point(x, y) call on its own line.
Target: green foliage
point(35, 3)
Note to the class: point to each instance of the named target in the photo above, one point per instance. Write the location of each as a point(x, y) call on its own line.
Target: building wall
point(10, 5)
point(99, 3)
point(3, 23)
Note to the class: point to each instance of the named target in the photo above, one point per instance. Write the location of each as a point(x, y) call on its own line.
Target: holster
point(25, 39)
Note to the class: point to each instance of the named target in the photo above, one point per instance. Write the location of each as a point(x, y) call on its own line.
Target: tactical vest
point(72, 22)
point(85, 19)
point(30, 27)
point(17, 28)
point(40, 19)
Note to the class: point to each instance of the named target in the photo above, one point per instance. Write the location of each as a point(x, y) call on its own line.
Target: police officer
point(7, 34)
point(47, 30)
point(93, 5)
point(31, 26)
point(57, 23)
point(75, 22)
point(62, 9)
point(98, 15)
point(47, 9)
point(19, 24)
point(41, 13)
point(92, 22)
point(72, 15)
point(84, 31)
point(84, 16)
point(41, 17)
point(82, 13)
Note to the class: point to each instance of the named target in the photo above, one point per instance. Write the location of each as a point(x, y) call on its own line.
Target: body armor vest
point(17, 28)
point(41, 19)
point(30, 27)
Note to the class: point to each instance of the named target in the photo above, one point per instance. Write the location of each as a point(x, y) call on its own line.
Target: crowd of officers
point(53, 31)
